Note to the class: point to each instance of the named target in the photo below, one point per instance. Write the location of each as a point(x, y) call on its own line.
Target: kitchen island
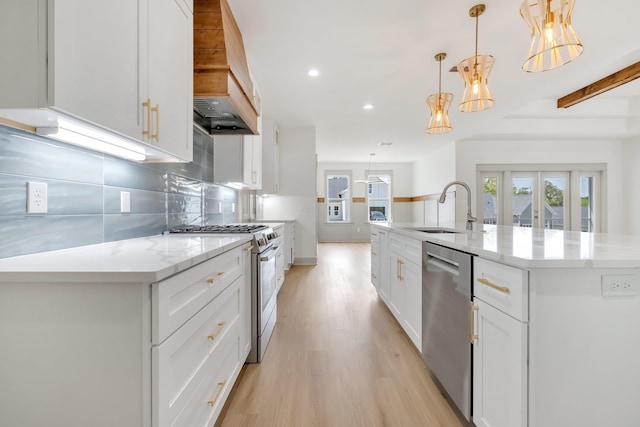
point(555, 318)
point(142, 332)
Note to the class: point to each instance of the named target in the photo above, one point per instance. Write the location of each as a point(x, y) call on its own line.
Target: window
point(559, 197)
point(338, 197)
point(379, 196)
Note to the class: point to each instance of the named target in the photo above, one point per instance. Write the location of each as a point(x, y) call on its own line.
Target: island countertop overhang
point(532, 247)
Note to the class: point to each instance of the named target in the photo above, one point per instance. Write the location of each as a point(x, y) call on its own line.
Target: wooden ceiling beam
point(614, 80)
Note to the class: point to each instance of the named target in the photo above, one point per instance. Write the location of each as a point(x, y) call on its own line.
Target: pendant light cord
point(475, 58)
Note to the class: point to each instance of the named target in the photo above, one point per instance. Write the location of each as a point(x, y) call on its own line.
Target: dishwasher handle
point(444, 263)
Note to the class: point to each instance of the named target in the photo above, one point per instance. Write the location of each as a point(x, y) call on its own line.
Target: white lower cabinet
point(500, 349)
point(375, 258)
point(183, 363)
point(195, 367)
point(499, 369)
point(384, 286)
point(405, 284)
point(125, 354)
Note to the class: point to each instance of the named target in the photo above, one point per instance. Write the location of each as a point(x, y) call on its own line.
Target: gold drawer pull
point(147, 106)
point(156, 135)
point(215, 279)
point(374, 253)
point(502, 289)
point(472, 336)
point(248, 248)
point(215, 398)
point(217, 332)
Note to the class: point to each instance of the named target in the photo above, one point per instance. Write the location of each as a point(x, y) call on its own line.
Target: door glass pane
point(490, 200)
point(523, 209)
point(338, 198)
point(554, 209)
point(379, 197)
point(587, 220)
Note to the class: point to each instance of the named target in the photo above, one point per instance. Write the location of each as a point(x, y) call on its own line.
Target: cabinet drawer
point(178, 362)
point(504, 287)
point(176, 299)
point(220, 373)
point(408, 248)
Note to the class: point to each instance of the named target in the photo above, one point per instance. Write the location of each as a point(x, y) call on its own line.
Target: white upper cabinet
point(237, 159)
point(170, 76)
point(270, 158)
point(122, 66)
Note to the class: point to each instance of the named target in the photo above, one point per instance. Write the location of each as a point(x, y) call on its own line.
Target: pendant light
point(553, 40)
point(375, 179)
point(439, 105)
point(475, 73)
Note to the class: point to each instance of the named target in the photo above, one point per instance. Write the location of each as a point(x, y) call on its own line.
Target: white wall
point(631, 169)
point(358, 229)
point(468, 154)
point(433, 169)
point(297, 197)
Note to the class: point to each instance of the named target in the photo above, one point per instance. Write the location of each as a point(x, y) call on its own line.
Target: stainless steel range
point(264, 310)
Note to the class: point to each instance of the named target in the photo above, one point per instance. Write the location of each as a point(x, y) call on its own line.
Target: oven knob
point(262, 241)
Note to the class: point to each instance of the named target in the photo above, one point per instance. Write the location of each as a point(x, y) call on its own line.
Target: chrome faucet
point(470, 218)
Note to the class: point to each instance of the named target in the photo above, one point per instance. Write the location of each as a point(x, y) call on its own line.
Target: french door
point(560, 200)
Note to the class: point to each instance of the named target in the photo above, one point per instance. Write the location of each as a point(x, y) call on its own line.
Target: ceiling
point(382, 52)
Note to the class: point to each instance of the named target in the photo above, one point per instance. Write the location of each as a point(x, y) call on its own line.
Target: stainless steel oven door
point(267, 287)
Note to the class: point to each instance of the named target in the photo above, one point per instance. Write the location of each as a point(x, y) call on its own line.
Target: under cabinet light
point(92, 138)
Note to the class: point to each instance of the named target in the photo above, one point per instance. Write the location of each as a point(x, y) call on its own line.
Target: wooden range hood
point(223, 91)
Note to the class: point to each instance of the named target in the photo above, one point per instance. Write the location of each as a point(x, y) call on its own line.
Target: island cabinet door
point(499, 368)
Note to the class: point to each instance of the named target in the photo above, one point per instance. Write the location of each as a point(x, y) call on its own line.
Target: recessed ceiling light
point(368, 106)
point(385, 144)
point(313, 73)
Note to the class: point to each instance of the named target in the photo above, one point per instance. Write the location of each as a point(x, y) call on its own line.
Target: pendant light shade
point(439, 104)
point(553, 40)
point(475, 72)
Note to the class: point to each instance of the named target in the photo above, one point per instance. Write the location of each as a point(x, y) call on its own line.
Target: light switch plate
point(125, 202)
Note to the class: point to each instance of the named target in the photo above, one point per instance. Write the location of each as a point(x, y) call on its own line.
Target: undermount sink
point(440, 230)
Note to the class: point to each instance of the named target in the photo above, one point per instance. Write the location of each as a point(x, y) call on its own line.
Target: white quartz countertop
point(534, 247)
point(145, 259)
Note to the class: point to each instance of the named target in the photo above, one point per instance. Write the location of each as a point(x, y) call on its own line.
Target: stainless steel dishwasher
point(446, 292)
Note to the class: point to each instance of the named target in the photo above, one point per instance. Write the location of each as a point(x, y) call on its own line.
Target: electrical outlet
point(37, 195)
point(619, 285)
point(125, 202)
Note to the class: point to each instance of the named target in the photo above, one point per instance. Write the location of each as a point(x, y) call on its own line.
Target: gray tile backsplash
point(84, 194)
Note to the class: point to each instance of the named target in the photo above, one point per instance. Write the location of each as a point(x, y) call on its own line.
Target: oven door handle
point(268, 256)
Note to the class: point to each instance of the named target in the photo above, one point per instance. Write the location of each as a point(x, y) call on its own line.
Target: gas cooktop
point(218, 228)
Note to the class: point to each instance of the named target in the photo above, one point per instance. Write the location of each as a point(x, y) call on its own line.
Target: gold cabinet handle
point(248, 248)
point(215, 398)
point(502, 289)
point(398, 269)
point(382, 232)
point(374, 253)
point(147, 131)
point(217, 332)
point(472, 336)
point(400, 264)
point(215, 279)
point(156, 135)
point(374, 276)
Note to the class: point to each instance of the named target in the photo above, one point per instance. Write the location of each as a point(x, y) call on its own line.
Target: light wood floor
point(337, 357)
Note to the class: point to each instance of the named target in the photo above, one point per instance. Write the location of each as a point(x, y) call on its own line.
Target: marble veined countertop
point(534, 247)
point(145, 259)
